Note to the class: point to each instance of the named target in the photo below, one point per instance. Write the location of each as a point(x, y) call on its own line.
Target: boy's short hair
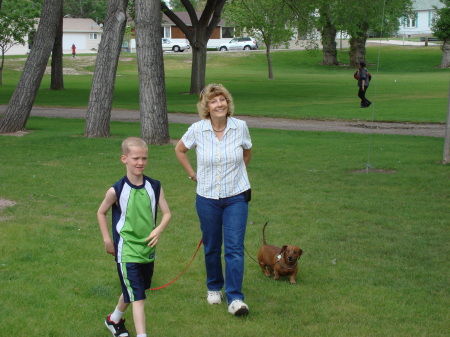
point(132, 141)
point(362, 64)
point(207, 94)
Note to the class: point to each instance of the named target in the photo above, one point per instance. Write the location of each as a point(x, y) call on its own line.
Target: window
point(165, 32)
point(227, 32)
point(93, 36)
point(410, 21)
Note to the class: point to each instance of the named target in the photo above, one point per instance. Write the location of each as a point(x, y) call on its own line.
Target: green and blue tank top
point(134, 218)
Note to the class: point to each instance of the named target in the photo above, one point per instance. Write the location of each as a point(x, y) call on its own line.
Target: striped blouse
point(221, 170)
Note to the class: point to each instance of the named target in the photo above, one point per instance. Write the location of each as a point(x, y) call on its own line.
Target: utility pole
point(446, 159)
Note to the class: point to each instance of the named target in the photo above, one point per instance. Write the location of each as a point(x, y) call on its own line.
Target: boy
point(134, 200)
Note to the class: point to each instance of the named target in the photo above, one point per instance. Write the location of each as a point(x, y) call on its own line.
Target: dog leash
point(279, 258)
point(176, 278)
point(250, 255)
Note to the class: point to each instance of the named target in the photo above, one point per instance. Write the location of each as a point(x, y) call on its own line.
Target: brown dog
point(281, 261)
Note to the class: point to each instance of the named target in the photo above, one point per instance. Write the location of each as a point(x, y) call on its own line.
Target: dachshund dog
point(281, 261)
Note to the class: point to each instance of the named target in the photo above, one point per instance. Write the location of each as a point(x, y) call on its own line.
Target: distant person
point(74, 50)
point(224, 149)
point(134, 200)
point(363, 84)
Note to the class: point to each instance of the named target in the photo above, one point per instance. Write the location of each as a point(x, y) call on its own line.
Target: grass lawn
point(375, 245)
point(407, 85)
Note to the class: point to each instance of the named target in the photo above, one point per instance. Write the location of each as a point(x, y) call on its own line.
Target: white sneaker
point(214, 297)
point(238, 308)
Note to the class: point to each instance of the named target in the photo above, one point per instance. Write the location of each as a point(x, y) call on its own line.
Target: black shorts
point(135, 279)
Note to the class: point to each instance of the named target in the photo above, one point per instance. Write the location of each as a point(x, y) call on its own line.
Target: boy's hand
point(109, 247)
point(154, 237)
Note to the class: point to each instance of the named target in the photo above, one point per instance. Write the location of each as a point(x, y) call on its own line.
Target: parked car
point(239, 43)
point(169, 45)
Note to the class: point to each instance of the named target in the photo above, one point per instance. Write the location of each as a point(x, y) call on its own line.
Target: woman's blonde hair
point(208, 93)
point(132, 141)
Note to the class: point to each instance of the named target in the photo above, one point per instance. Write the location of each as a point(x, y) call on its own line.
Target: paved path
point(430, 130)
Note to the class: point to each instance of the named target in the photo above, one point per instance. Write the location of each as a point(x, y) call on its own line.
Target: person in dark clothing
point(363, 84)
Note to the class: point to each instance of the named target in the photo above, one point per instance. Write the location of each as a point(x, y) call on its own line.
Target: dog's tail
point(263, 237)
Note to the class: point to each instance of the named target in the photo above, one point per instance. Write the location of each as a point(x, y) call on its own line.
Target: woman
point(223, 148)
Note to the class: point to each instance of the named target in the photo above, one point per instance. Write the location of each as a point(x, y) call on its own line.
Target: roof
point(184, 16)
point(73, 25)
point(421, 5)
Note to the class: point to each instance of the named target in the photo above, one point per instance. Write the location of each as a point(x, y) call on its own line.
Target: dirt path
point(429, 130)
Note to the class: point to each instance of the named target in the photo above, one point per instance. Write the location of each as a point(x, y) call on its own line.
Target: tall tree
point(441, 29)
point(17, 21)
point(22, 100)
point(98, 114)
point(358, 16)
point(252, 17)
point(198, 34)
point(317, 16)
point(152, 89)
point(328, 30)
point(56, 77)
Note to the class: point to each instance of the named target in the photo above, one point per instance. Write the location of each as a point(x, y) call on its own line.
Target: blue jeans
point(224, 220)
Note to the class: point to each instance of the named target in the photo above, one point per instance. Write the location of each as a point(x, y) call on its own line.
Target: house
point(420, 23)
point(84, 33)
point(222, 33)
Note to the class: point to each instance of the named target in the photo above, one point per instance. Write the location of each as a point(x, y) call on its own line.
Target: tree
point(152, 89)
point(17, 21)
point(22, 100)
point(328, 31)
point(56, 77)
point(198, 35)
point(269, 20)
point(358, 16)
point(98, 114)
point(441, 30)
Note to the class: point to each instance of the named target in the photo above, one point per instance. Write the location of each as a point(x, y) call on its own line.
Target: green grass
point(407, 84)
point(375, 245)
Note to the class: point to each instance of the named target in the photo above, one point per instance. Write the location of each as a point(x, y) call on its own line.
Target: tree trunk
point(98, 114)
point(328, 33)
point(2, 62)
point(269, 62)
point(152, 89)
point(446, 54)
point(22, 100)
point(198, 34)
point(57, 79)
point(357, 49)
point(198, 69)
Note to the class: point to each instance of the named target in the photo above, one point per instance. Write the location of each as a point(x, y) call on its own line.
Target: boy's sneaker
point(117, 329)
point(214, 297)
point(238, 308)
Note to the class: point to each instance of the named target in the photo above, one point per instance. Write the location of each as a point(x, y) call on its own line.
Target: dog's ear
point(283, 249)
point(300, 252)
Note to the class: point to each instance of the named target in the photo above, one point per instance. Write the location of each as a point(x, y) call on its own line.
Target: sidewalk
point(365, 127)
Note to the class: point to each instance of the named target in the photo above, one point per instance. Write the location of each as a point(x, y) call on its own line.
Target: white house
point(84, 33)
point(420, 23)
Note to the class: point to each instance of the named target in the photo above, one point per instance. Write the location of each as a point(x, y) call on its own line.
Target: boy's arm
point(164, 207)
point(109, 200)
